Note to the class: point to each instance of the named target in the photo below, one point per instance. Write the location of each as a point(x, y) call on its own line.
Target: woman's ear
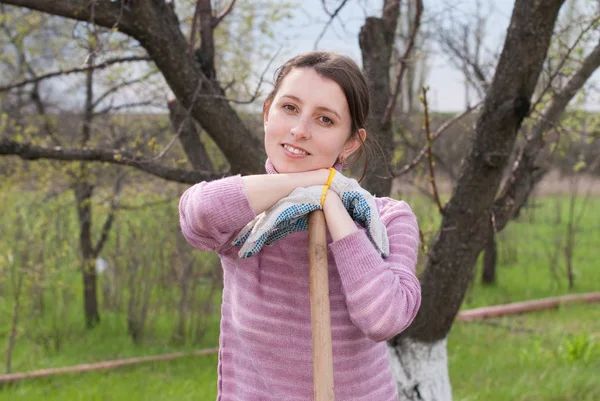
point(354, 143)
point(266, 107)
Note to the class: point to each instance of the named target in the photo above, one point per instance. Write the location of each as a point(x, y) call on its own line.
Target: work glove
point(360, 204)
point(288, 215)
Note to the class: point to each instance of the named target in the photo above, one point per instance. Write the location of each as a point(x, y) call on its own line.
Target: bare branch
point(120, 86)
point(109, 14)
point(389, 109)
point(325, 8)
point(125, 106)
point(447, 124)
point(522, 180)
point(102, 65)
point(35, 92)
point(332, 17)
point(557, 71)
point(217, 19)
point(28, 151)
point(188, 137)
point(428, 145)
point(480, 82)
point(111, 215)
point(194, 29)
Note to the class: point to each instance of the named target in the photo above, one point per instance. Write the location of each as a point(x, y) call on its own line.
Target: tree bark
point(490, 258)
point(376, 41)
point(83, 195)
point(466, 216)
point(188, 137)
point(421, 370)
point(526, 173)
point(28, 151)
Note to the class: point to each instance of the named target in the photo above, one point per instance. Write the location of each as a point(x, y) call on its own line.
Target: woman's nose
point(300, 130)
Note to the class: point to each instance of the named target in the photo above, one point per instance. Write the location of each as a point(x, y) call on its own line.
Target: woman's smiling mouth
point(294, 150)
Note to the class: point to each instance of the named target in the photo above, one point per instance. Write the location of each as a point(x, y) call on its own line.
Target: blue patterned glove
point(288, 215)
point(360, 204)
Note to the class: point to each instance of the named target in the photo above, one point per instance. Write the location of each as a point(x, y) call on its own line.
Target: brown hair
point(346, 73)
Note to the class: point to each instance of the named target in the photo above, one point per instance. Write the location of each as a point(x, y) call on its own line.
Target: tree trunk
point(466, 217)
point(83, 195)
point(490, 258)
point(184, 127)
point(376, 41)
point(421, 370)
point(156, 26)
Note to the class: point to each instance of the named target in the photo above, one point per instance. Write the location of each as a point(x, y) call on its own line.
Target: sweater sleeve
point(212, 213)
point(382, 295)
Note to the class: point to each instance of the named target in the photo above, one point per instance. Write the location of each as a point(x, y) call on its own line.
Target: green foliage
point(154, 281)
point(579, 348)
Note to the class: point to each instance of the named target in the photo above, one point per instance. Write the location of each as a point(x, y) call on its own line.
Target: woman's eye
point(327, 120)
point(289, 107)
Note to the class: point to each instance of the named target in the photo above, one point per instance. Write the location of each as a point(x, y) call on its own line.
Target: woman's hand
point(339, 222)
point(264, 190)
point(360, 204)
point(287, 216)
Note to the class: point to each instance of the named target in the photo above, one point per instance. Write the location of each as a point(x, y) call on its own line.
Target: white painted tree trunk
point(421, 370)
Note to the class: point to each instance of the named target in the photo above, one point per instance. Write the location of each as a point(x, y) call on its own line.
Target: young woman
point(314, 119)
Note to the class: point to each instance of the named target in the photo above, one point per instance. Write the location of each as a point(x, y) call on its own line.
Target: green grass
point(551, 355)
point(191, 378)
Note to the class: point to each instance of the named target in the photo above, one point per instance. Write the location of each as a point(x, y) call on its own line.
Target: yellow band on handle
point(332, 172)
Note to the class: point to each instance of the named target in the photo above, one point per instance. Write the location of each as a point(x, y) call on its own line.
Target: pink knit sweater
point(265, 341)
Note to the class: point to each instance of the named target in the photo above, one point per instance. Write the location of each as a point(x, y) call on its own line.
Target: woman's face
point(307, 125)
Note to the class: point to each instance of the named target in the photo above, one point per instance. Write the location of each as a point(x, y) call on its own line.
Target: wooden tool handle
point(319, 308)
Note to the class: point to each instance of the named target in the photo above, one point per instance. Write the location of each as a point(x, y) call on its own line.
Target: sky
point(446, 82)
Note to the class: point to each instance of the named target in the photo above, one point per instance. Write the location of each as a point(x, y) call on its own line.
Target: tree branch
point(442, 128)
point(194, 28)
point(564, 59)
point(521, 182)
point(104, 13)
point(207, 39)
point(389, 17)
point(120, 86)
point(332, 17)
point(28, 151)
point(111, 215)
point(466, 217)
point(104, 64)
point(428, 145)
point(217, 19)
point(389, 109)
point(123, 106)
point(157, 28)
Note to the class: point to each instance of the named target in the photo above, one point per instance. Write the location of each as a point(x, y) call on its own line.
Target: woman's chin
point(295, 166)
point(286, 168)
